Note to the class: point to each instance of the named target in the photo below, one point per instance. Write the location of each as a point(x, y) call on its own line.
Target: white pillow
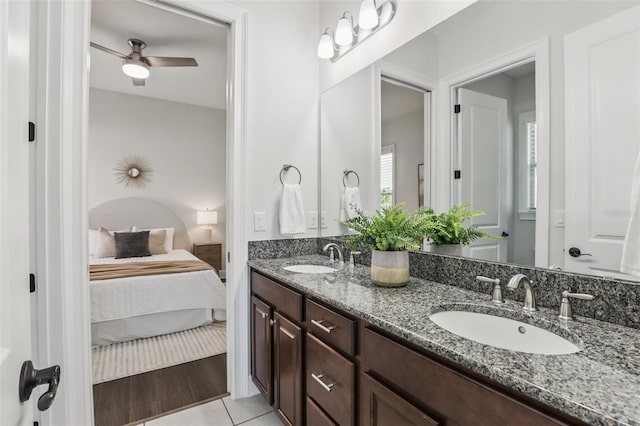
point(157, 239)
point(168, 242)
point(105, 243)
point(93, 239)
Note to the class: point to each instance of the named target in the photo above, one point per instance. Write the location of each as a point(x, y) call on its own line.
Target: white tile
point(270, 419)
point(245, 409)
point(209, 414)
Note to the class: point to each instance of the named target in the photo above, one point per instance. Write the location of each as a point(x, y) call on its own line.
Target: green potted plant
point(451, 233)
point(390, 233)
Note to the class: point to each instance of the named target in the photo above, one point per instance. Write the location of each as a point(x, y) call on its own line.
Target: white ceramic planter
point(390, 268)
point(448, 249)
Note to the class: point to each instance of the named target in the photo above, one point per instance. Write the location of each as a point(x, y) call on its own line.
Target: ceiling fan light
point(344, 31)
point(135, 69)
point(368, 17)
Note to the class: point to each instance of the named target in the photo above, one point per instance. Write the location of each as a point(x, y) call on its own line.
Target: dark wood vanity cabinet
point(277, 347)
point(319, 367)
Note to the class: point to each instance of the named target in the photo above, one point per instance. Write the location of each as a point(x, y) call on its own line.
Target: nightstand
point(210, 253)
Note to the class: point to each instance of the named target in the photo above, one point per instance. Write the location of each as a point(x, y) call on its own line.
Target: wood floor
point(130, 399)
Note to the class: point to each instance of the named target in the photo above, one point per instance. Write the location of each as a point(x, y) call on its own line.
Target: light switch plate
point(259, 221)
point(313, 220)
point(323, 219)
point(559, 218)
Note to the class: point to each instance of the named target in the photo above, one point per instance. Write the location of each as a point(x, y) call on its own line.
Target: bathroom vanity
point(335, 349)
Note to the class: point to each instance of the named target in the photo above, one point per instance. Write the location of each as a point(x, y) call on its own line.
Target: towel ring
point(346, 173)
point(285, 168)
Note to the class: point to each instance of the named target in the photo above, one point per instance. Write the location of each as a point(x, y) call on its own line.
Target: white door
point(484, 166)
point(15, 327)
point(602, 92)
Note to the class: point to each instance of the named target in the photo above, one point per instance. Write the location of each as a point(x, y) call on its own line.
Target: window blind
point(532, 163)
point(386, 178)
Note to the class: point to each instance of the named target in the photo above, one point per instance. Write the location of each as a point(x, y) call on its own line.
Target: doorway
point(156, 172)
point(497, 160)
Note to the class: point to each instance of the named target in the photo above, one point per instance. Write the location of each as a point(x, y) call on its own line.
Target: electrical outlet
point(323, 219)
point(559, 218)
point(259, 221)
point(313, 220)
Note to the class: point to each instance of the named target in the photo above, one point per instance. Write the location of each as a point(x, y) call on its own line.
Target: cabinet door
point(288, 370)
point(382, 407)
point(261, 344)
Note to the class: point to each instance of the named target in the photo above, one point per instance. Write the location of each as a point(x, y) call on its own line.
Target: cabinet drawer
point(286, 301)
point(444, 390)
point(331, 381)
point(317, 417)
point(331, 327)
point(209, 250)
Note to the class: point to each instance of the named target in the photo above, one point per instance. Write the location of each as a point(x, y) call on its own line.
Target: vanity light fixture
point(326, 46)
point(371, 19)
point(135, 68)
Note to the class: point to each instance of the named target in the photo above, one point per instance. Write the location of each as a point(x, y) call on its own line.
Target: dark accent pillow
point(132, 244)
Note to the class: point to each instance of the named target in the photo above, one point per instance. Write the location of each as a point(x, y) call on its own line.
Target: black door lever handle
point(30, 378)
point(575, 252)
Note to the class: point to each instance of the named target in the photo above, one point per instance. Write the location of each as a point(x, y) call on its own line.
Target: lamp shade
point(368, 17)
point(325, 46)
point(344, 32)
point(135, 69)
point(207, 217)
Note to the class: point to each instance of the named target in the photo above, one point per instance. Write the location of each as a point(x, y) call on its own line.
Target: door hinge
point(32, 131)
point(456, 174)
point(36, 424)
point(456, 109)
point(32, 283)
point(229, 257)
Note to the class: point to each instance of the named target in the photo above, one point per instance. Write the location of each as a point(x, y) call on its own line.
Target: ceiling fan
point(137, 66)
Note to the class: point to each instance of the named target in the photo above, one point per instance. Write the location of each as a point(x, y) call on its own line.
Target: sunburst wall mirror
point(133, 171)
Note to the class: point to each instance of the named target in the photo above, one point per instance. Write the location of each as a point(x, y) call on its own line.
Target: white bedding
point(134, 296)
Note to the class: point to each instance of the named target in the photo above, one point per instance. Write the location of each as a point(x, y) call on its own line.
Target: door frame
point(62, 89)
point(414, 80)
point(447, 152)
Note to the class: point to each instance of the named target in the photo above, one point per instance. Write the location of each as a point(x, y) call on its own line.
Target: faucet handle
point(496, 294)
point(566, 311)
point(331, 255)
point(351, 259)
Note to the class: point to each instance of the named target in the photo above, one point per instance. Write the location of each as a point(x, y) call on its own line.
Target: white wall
point(347, 128)
point(412, 19)
point(407, 134)
point(184, 145)
point(490, 29)
point(282, 98)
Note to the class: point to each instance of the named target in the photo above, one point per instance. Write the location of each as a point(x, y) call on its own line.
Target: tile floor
point(252, 411)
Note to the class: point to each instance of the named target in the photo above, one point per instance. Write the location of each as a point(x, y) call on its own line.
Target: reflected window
point(527, 165)
point(386, 176)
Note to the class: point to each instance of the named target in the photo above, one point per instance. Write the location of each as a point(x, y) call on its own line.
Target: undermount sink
point(503, 333)
point(310, 269)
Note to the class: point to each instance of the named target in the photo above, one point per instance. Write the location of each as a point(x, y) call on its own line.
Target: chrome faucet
point(566, 311)
point(337, 248)
point(529, 297)
point(496, 294)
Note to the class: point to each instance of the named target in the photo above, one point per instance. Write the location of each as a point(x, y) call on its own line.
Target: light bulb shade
point(207, 217)
point(386, 13)
point(368, 17)
point(135, 69)
point(344, 32)
point(325, 46)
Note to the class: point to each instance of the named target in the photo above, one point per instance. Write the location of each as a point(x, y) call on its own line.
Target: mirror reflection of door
point(497, 162)
point(404, 139)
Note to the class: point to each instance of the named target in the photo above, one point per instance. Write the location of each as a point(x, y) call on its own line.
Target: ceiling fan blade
point(110, 51)
point(159, 61)
point(138, 81)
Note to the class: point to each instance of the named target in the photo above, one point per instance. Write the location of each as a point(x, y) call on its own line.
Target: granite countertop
point(600, 384)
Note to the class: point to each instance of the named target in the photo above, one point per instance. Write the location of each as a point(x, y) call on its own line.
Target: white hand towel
point(291, 210)
point(631, 249)
point(350, 203)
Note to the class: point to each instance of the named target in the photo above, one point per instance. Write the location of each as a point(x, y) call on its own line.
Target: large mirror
point(526, 110)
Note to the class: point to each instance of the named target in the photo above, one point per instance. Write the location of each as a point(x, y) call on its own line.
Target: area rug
point(124, 359)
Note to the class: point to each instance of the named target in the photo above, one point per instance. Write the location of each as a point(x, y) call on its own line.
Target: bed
point(131, 307)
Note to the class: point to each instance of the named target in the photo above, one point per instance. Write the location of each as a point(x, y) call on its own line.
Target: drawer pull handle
point(322, 327)
point(318, 379)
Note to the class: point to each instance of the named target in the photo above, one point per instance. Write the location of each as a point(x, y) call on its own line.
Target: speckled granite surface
point(269, 249)
point(600, 384)
point(616, 301)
